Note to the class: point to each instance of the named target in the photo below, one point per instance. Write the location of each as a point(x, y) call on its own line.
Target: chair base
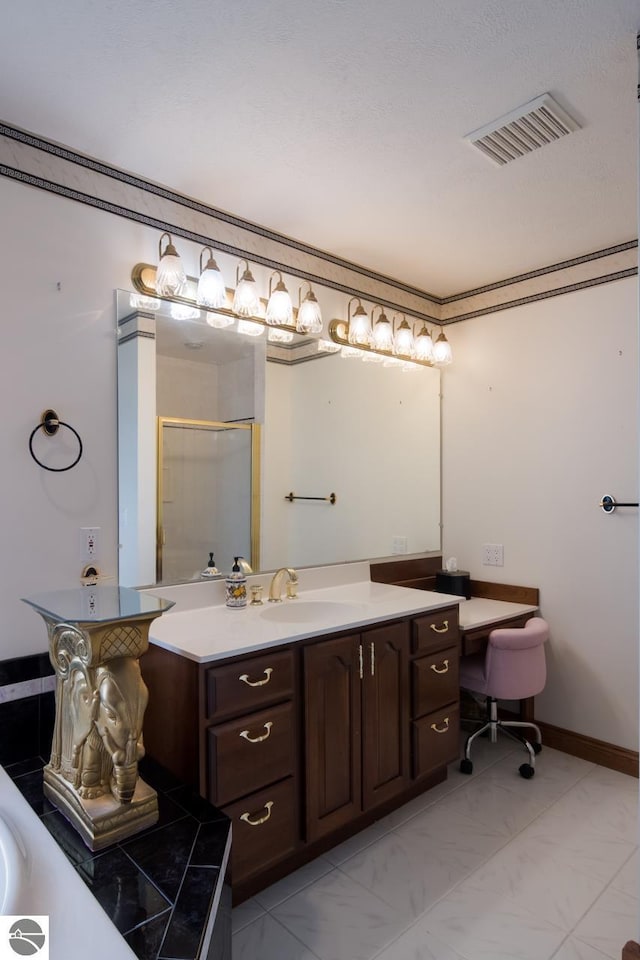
point(492, 726)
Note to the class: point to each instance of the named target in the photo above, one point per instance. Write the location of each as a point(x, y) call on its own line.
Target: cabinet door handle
point(265, 736)
point(445, 665)
point(256, 683)
point(437, 729)
point(256, 823)
point(373, 659)
point(442, 629)
point(361, 662)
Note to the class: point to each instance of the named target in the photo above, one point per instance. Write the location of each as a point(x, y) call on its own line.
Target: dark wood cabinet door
point(385, 713)
point(332, 723)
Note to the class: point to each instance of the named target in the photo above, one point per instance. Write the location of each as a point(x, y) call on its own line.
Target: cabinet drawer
point(249, 684)
point(435, 631)
point(247, 754)
point(435, 740)
point(434, 681)
point(265, 829)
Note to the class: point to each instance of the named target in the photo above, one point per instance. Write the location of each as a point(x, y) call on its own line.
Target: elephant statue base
point(92, 776)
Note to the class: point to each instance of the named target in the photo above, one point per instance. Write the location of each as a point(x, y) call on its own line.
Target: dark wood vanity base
point(305, 744)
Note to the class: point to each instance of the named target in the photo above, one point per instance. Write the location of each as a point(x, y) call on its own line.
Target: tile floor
point(488, 867)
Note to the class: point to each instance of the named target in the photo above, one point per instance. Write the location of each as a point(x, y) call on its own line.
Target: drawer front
point(435, 631)
point(248, 754)
point(435, 740)
point(247, 685)
point(265, 829)
point(434, 681)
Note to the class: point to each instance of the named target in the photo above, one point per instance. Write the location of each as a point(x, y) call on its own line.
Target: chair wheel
point(537, 747)
point(466, 766)
point(526, 771)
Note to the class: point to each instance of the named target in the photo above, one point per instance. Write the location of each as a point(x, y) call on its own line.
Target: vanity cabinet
point(356, 725)
point(303, 744)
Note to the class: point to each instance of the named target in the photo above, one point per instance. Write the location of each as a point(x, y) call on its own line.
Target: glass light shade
point(328, 346)
point(442, 355)
point(280, 335)
point(279, 307)
point(359, 326)
point(403, 340)
point(219, 320)
point(371, 357)
point(250, 329)
point(170, 276)
point(137, 301)
point(349, 352)
point(423, 345)
point(309, 318)
point(211, 289)
point(246, 301)
point(182, 311)
point(382, 337)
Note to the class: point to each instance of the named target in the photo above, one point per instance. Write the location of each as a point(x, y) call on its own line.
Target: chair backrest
point(515, 665)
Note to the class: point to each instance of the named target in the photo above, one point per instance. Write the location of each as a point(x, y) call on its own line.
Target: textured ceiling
point(341, 122)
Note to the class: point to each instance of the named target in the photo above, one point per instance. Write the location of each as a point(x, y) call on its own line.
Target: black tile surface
point(20, 725)
point(137, 881)
point(19, 669)
point(122, 889)
point(184, 934)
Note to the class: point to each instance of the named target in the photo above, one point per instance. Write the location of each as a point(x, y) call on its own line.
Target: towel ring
point(49, 423)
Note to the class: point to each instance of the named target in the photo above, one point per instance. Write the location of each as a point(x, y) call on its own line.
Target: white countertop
point(49, 886)
point(215, 632)
point(479, 611)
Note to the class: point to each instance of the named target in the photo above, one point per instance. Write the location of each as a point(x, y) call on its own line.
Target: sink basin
point(306, 611)
point(12, 867)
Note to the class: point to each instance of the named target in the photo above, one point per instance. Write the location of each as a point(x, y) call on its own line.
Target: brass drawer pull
point(256, 683)
point(437, 729)
point(256, 823)
point(265, 736)
point(446, 667)
point(442, 629)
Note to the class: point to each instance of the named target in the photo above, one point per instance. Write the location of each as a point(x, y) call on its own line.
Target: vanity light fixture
point(403, 339)
point(382, 336)
point(246, 302)
point(442, 354)
point(279, 307)
point(423, 344)
point(211, 289)
point(358, 324)
point(309, 319)
point(170, 276)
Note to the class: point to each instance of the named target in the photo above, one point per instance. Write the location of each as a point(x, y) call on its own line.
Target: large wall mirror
point(231, 445)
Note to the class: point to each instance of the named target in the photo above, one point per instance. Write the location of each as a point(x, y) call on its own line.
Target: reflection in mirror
point(364, 431)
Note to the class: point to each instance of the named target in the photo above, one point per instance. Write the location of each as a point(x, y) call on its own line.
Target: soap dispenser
point(236, 586)
point(210, 570)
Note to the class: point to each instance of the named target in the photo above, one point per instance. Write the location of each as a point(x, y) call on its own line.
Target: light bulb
point(211, 289)
point(170, 276)
point(382, 337)
point(246, 301)
point(309, 319)
point(442, 355)
point(181, 311)
point(423, 345)
point(279, 307)
point(403, 341)
point(137, 301)
point(359, 326)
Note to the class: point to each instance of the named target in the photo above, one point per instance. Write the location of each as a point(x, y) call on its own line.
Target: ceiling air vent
point(522, 131)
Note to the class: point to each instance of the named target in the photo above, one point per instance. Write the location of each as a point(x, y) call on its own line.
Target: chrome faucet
point(275, 590)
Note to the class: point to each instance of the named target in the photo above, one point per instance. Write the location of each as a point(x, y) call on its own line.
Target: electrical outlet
point(492, 554)
point(399, 545)
point(89, 544)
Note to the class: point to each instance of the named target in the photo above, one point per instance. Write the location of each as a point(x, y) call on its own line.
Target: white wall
point(540, 420)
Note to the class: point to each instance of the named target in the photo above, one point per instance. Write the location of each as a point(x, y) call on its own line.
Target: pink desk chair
point(513, 668)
